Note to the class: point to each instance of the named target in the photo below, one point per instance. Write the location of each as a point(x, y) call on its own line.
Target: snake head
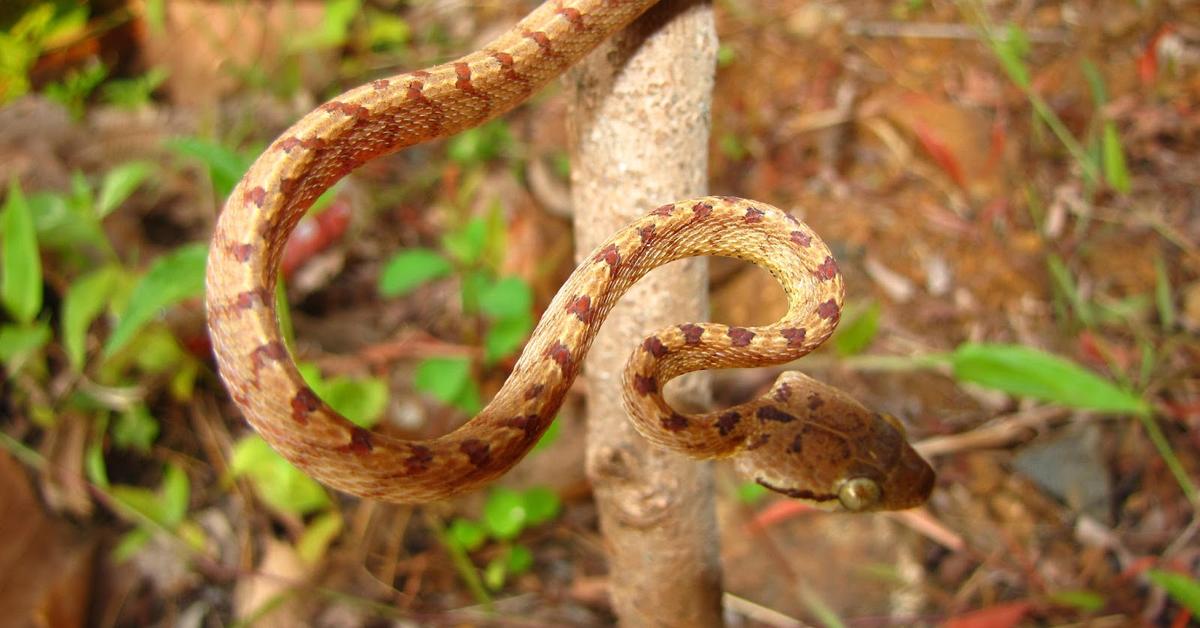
point(816, 443)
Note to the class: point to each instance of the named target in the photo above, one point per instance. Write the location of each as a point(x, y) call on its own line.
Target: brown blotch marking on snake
point(771, 413)
point(646, 233)
point(829, 310)
point(795, 335)
point(797, 445)
point(360, 442)
point(691, 333)
point(754, 214)
point(645, 384)
point(288, 144)
point(288, 187)
point(663, 210)
point(241, 252)
point(562, 355)
point(250, 299)
point(654, 347)
point(530, 424)
point(610, 255)
point(463, 72)
point(801, 238)
point(792, 219)
point(478, 452)
point(380, 84)
point(540, 39)
point(701, 210)
point(581, 307)
point(727, 422)
point(534, 391)
point(415, 90)
point(418, 460)
point(828, 269)
point(347, 109)
point(304, 403)
point(762, 439)
point(674, 422)
point(255, 195)
point(274, 351)
point(783, 393)
point(815, 401)
point(798, 493)
point(729, 199)
point(506, 66)
point(573, 16)
point(740, 336)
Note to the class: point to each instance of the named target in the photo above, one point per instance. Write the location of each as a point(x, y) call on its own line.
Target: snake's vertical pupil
point(858, 494)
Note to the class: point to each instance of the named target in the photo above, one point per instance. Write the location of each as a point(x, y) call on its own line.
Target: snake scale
point(803, 438)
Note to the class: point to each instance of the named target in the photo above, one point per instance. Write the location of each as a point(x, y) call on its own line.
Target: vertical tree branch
point(639, 128)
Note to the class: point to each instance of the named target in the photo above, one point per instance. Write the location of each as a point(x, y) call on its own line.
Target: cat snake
point(803, 438)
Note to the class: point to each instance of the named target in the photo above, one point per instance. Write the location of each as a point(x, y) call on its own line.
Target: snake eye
point(858, 494)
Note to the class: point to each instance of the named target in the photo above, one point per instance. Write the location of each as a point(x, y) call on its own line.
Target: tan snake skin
point(803, 438)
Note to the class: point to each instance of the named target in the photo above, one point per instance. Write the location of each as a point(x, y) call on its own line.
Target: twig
point(1001, 432)
point(934, 30)
point(759, 613)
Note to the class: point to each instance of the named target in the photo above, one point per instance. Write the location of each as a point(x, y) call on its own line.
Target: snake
point(802, 438)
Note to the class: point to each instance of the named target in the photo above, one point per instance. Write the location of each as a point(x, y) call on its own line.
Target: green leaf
point(361, 401)
point(1095, 83)
point(20, 264)
point(449, 381)
point(751, 492)
point(119, 184)
point(225, 167)
point(510, 297)
point(480, 144)
point(1027, 372)
point(1011, 51)
point(855, 335)
point(94, 465)
point(495, 573)
point(518, 560)
point(474, 283)
point(504, 513)
point(467, 244)
point(549, 436)
point(84, 301)
point(279, 484)
point(1183, 589)
point(1163, 294)
point(505, 336)
point(129, 544)
point(19, 342)
point(1087, 601)
point(135, 429)
point(385, 30)
point(467, 534)
point(318, 535)
point(171, 279)
point(1115, 170)
point(541, 505)
point(409, 269)
point(175, 491)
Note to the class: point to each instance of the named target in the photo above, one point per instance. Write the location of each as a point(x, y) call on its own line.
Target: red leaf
point(941, 154)
point(998, 616)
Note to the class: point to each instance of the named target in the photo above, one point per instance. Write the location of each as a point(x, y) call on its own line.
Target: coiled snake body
point(803, 438)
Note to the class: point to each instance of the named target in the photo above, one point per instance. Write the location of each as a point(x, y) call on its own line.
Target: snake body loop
point(803, 438)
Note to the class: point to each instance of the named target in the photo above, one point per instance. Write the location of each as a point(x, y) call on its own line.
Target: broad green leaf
point(856, 334)
point(409, 269)
point(541, 505)
point(318, 535)
point(505, 336)
point(85, 300)
point(135, 429)
point(119, 184)
point(1027, 372)
point(18, 342)
point(171, 279)
point(20, 263)
point(519, 559)
point(449, 381)
point(225, 166)
point(751, 492)
point(474, 283)
point(504, 513)
point(278, 483)
point(467, 534)
point(143, 501)
point(385, 30)
point(467, 244)
point(509, 297)
point(1115, 170)
point(1183, 589)
point(362, 401)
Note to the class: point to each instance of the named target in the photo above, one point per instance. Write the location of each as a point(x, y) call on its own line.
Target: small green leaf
point(385, 30)
point(1087, 601)
point(19, 342)
point(1115, 170)
point(1163, 295)
point(278, 483)
point(140, 500)
point(856, 334)
point(751, 492)
point(84, 301)
point(171, 279)
point(129, 544)
point(495, 573)
point(225, 167)
point(467, 534)
point(510, 297)
point(474, 283)
point(449, 381)
point(135, 429)
point(541, 505)
point(549, 436)
point(519, 560)
point(1027, 372)
point(1183, 589)
point(1011, 51)
point(504, 513)
point(20, 264)
point(175, 492)
point(94, 465)
point(362, 401)
point(467, 244)
point(505, 336)
point(119, 184)
point(480, 144)
point(318, 535)
point(1095, 83)
point(409, 269)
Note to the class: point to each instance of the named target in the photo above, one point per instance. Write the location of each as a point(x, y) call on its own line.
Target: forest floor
point(1011, 189)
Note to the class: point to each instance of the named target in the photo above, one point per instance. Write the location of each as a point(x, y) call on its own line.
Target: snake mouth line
point(798, 493)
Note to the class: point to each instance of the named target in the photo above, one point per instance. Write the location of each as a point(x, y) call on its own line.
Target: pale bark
point(639, 128)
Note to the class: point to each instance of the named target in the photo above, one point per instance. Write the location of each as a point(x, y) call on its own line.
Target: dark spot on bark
point(674, 422)
point(727, 422)
point(801, 238)
point(654, 347)
point(740, 336)
point(829, 310)
point(828, 269)
point(255, 195)
point(691, 333)
point(771, 413)
point(754, 214)
point(305, 402)
point(418, 460)
point(645, 384)
point(581, 307)
point(702, 210)
point(534, 391)
point(795, 335)
point(477, 451)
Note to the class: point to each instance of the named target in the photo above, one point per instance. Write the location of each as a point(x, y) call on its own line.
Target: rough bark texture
point(639, 130)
